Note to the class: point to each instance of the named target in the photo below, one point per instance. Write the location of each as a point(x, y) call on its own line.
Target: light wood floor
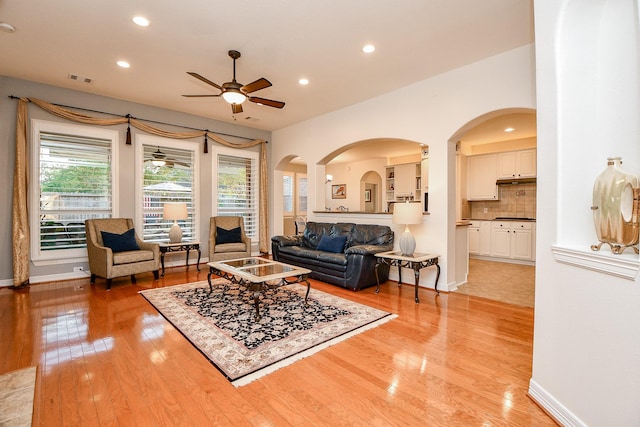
point(108, 358)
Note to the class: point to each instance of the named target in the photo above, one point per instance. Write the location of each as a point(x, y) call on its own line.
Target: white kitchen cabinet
point(424, 174)
point(512, 239)
point(482, 174)
point(405, 180)
point(480, 238)
point(517, 164)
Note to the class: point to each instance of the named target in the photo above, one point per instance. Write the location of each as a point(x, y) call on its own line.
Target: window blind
point(75, 185)
point(171, 181)
point(238, 190)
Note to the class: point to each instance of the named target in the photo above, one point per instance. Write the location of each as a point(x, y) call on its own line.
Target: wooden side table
point(179, 247)
point(416, 262)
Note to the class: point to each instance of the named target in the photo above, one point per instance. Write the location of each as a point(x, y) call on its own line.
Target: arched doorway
point(484, 142)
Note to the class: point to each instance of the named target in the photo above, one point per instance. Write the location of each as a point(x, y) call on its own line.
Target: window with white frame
point(73, 180)
point(236, 186)
point(167, 171)
point(301, 193)
point(287, 193)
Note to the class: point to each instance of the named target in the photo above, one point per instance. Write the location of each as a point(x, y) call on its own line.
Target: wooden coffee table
point(259, 274)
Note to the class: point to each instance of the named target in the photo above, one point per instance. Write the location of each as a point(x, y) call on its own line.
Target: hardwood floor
point(108, 358)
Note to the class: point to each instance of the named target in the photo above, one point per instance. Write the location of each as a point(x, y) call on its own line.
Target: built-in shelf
point(625, 266)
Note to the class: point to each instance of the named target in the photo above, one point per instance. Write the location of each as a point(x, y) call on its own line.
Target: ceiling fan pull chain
point(206, 144)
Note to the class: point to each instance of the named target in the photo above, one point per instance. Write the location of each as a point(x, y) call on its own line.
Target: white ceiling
point(281, 40)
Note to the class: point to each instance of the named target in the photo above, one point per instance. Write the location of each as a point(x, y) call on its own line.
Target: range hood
point(515, 181)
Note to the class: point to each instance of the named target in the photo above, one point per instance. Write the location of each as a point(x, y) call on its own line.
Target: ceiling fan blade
point(203, 79)
point(261, 83)
point(236, 108)
point(264, 101)
point(201, 96)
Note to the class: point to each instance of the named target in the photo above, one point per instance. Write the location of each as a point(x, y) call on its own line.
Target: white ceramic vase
point(615, 211)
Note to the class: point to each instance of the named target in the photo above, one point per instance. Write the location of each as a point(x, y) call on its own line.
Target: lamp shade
point(233, 96)
point(175, 211)
point(407, 213)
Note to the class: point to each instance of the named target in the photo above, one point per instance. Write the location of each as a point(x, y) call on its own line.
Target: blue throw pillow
point(228, 236)
point(120, 242)
point(332, 244)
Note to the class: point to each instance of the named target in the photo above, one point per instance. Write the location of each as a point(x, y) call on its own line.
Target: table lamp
point(175, 211)
point(405, 214)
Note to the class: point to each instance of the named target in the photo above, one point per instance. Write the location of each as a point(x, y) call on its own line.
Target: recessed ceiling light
point(140, 20)
point(368, 48)
point(123, 64)
point(7, 28)
point(509, 129)
point(303, 82)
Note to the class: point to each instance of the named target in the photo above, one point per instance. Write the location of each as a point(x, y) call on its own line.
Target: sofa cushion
point(228, 236)
point(333, 244)
point(129, 257)
point(231, 247)
point(120, 242)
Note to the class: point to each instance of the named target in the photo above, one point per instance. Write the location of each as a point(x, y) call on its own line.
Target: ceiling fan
point(158, 159)
point(236, 93)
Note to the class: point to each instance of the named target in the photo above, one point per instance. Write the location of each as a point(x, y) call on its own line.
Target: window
point(74, 181)
point(236, 186)
point(301, 206)
point(167, 173)
point(287, 193)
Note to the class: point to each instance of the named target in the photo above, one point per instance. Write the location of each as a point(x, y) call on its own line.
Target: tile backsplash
point(515, 200)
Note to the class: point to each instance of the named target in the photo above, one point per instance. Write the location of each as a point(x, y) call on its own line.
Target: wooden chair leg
point(133, 279)
point(93, 279)
point(108, 284)
point(156, 275)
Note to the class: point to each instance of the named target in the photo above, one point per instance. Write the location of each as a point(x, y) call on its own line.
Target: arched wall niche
point(599, 103)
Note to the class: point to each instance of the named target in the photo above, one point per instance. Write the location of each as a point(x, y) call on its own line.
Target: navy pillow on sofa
point(120, 242)
point(332, 244)
point(228, 236)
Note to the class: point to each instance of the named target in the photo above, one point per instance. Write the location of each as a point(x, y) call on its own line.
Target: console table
point(416, 262)
point(179, 247)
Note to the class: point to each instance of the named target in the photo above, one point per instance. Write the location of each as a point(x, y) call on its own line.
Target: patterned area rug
point(221, 324)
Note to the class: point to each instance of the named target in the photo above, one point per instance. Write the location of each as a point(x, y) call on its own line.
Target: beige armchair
point(224, 251)
point(107, 263)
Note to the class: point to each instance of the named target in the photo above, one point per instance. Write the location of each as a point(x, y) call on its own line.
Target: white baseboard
point(554, 408)
point(50, 278)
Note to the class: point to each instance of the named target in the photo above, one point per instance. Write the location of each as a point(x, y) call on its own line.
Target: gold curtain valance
point(20, 223)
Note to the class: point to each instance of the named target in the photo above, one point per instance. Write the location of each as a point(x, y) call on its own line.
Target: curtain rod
point(127, 116)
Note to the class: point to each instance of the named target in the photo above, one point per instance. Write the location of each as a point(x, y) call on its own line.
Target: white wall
point(586, 359)
point(428, 112)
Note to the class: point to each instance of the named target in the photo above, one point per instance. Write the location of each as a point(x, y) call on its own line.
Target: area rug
point(221, 324)
point(16, 397)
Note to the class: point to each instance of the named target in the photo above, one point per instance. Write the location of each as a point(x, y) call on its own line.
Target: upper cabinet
point(403, 182)
point(482, 172)
point(517, 164)
point(406, 179)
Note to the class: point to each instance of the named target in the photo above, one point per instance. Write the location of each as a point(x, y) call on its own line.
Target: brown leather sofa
point(352, 267)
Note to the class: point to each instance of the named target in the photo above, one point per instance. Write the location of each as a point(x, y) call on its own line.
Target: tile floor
point(511, 283)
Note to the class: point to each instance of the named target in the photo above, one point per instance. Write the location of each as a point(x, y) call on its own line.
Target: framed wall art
point(367, 195)
point(339, 191)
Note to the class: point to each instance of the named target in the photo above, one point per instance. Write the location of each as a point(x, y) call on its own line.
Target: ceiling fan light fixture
point(233, 96)
point(158, 162)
